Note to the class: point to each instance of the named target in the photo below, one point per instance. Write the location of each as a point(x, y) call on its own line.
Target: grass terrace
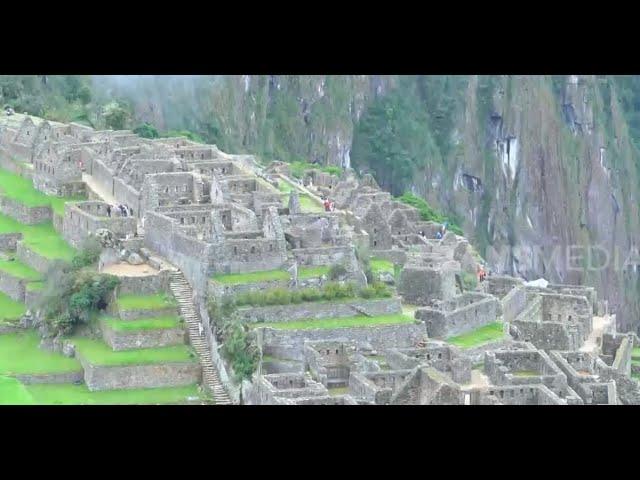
point(19, 270)
point(21, 190)
point(158, 323)
point(67, 394)
point(485, 334)
point(20, 354)
point(35, 286)
point(10, 310)
point(311, 272)
point(379, 265)
point(252, 277)
point(339, 391)
point(99, 353)
point(158, 301)
point(42, 238)
point(12, 392)
point(343, 322)
point(635, 353)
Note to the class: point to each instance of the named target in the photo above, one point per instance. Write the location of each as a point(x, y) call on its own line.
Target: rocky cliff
point(530, 165)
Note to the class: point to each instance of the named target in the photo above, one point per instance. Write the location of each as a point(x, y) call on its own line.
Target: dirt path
point(127, 270)
point(593, 342)
point(98, 190)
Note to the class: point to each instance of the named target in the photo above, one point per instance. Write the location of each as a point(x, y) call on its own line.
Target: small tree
point(116, 117)
point(146, 130)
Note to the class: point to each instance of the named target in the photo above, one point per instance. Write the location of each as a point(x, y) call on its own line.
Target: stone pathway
point(210, 378)
point(98, 190)
point(594, 341)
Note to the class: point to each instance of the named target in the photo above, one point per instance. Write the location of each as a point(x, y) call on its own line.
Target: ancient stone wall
point(24, 214)
point(442, 323)
point(130, 340)
point(176, 374)
point(8, 241)
point(12, 286)
point(289, 343)
point(319, 310)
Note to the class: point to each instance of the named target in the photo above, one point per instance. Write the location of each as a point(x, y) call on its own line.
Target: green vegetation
point(156, 323)
point(427, 213)
point(336, 271)
point(484, 334)
point(99, 353)
point(12, 392)
point(238, 346)
point(67, 394)
point(379, 265)
point(329, 292)
point(253, 277)
point(312, 272)
point(635, 353)
point(194, 137)
point(344, 322)
point(21, 190)
point(146, 130)
point(19, 270)
point(35, 286)
point(20, 354)
point(526, 373)
point(393, 138)
point(299, 168)
point(339, 391)
point(309, 205)
point(73, 297)
point(158, 301)
point(469, 281)
point(10, 310)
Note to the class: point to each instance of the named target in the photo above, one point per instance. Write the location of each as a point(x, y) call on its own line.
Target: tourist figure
point(200, 329)
point(109, 210)
point(439, 234)
point(327, 205)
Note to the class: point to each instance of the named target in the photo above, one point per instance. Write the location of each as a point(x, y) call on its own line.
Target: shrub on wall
point(73, 293)
point(238, 346)
point(329, 292)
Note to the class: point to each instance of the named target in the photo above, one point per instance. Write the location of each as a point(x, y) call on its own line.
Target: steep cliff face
point(530, 165)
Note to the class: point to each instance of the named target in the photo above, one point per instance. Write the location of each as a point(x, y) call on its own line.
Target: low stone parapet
point(152, 338)
point(319, 310)
point(24, 214)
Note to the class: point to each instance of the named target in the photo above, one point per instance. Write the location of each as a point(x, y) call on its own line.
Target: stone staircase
point(184, 295)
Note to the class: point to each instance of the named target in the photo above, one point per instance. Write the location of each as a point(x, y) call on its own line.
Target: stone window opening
point(270, 247)
point(439, 356)
point(337, 351)
point(181, 220)
point(204, 219)
point(428, 356)
point(501, 393)
point(253, 249)
point(235, 250)
point(375, 243)
point(559, 317)
point(166, 189)
point(570, 319)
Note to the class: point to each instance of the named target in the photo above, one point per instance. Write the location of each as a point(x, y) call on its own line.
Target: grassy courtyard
point(10, 310)
point(485, 334)
point(157, 323)
point(99, 353)
point(158, 301)
point(20, 354)
point(344, 322)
